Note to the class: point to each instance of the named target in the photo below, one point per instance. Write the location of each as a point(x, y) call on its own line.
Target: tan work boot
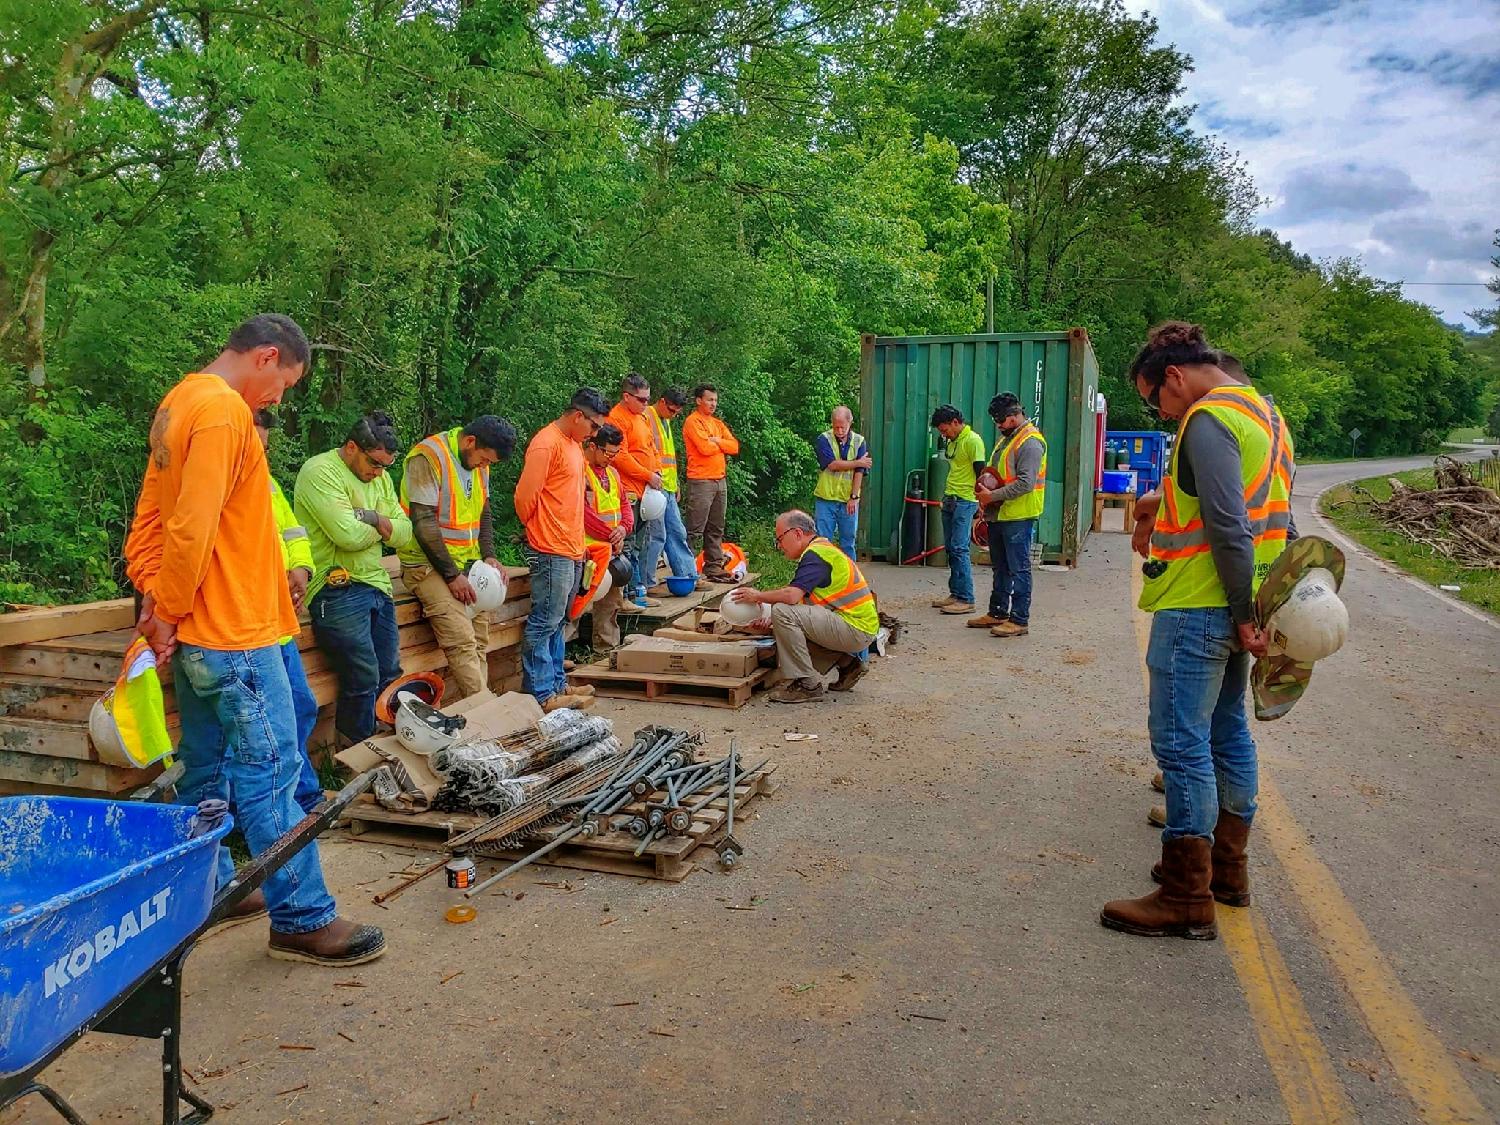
point(567, 699)
point(1230, 883)
point(568, 665)
point(1158, 782)
point(586, 690)
point(1156, 816)
point(1182, 906)
point(338, 943)
point(957, 609)
point(797, 691)
point(253, 905)
point(850, 673)
point(985, 621)
point(1009, 629)
point(660, 590)
point(946, 599)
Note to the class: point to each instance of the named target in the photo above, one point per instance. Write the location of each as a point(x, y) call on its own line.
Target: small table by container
point(1127, 501)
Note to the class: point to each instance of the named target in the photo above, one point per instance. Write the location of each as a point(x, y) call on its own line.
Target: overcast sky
point(1373, 126)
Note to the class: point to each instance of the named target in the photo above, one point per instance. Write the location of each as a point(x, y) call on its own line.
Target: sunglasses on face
point(640, 398)
point(382, 466)
point(1152, 399)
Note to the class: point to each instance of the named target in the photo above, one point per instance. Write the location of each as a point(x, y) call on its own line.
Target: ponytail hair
point(1175, 343)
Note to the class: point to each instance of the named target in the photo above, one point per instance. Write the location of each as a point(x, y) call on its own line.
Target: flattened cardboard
point(490, 716)
point(656, 656)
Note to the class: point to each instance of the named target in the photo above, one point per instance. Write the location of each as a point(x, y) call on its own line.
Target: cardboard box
point(490, 716)
point(733, 660)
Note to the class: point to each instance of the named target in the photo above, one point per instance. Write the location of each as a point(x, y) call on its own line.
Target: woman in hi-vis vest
point(1222, 517)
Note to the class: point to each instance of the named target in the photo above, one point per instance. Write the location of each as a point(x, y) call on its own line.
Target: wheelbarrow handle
point(253, 874)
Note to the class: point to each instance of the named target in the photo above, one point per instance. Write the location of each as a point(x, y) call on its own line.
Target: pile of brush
point(1458, 517)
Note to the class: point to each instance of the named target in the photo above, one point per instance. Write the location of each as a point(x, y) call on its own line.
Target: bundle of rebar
point(479, 774)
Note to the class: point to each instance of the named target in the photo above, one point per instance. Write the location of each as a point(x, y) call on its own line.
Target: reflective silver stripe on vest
point(847, 599)
point(1184, 540)
point(293, 533)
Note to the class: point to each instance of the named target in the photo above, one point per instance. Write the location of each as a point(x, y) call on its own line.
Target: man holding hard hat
point(607, 522)
point(445, 490)
point(1210, 538)
point(1012, 490)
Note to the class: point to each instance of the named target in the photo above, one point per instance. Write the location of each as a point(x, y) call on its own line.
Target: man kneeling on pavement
point(825, 619)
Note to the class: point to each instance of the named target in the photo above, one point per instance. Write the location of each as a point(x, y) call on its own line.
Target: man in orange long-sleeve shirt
point(549, 501)
point(708, 441)
point(639, 466)
point(205, 554)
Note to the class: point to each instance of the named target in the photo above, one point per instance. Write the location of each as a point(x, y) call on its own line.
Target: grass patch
point(1352, 514)
point(1467, 434)
point(758, 541)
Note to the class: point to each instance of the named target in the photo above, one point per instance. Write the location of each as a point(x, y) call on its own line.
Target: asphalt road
point(913, 931)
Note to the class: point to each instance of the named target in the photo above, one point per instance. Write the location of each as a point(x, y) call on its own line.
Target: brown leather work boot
point(1009, 629)
point(338, 943)
point(946, 599)
point(1158, 782)
point(986, 621)
point(851, 671)
point(1230, 882)
point(796, 691)
point(253, 905)
point(580, 689)
point(1181, 907)
point(1156, 816)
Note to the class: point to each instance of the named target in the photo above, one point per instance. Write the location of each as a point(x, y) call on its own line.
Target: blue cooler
point(1146, 453)
point(92, 895)
point(1118, 481)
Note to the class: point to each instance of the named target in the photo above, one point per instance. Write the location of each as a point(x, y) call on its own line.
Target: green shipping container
point(903, 379)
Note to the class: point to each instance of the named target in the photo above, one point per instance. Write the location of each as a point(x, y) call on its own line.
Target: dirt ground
point(913, 931)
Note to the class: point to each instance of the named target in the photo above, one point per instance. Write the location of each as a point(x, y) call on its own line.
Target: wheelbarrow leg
point(54, 1099)
point(173, 1092)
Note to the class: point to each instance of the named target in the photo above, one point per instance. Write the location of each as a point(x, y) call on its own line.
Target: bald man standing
point(843, 460)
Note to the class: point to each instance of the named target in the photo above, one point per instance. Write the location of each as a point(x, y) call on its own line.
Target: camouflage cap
point(1277, 682)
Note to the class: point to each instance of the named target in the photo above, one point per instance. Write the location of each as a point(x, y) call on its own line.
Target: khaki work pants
point(606, 617)
point(464, 642)
point(708, 505)
point(811, 639)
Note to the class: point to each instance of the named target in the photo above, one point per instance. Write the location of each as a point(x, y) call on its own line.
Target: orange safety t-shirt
point(638, 460)
point(204, 541)
point(705, 459)
point(549, 495)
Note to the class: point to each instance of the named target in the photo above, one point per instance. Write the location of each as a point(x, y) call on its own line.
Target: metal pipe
point(719, 792)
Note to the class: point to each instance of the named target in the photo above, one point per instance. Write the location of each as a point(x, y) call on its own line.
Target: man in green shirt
point(345, 501)
point(964, 450)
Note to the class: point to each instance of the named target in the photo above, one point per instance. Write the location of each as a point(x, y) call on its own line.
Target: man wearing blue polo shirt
point(843, 461)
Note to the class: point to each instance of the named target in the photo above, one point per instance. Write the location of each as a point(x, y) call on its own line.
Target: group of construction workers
point(222, 563)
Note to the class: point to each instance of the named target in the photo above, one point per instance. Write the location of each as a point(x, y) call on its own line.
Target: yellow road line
point(1310, 1089)
point(1431, 1077)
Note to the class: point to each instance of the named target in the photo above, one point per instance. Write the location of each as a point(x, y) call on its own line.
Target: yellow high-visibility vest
point(1185, 576)
point(1003, 461)
point(839, 487)
point(608, 495)
point(459, 514)
point(666, 446)
point(847, 592)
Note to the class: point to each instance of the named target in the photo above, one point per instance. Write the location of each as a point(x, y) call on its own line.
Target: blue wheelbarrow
point(100, 904)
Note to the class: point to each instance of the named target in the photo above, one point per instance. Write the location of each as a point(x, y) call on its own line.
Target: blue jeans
point(309, 794)
point(554, 580)
point(958, 526)
point(356, 626)
point(1199, 732)
point(1010, 560)
point(238, 736)
point(670, 534)
point(836, 524)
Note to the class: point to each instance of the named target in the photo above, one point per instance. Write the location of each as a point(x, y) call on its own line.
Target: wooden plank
point(39, 697)
point(702, 691)
point(46, 739)
point(70, 773)
point(32, 625)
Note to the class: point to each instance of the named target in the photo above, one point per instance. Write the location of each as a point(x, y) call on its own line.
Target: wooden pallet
point(673, 608)
point(671, 858)
point(667, 687)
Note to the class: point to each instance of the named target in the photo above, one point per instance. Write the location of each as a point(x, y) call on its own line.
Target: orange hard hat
point(734, 557)
point(426, 686)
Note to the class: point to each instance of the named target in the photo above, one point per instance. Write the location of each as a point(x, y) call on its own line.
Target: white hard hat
point(653, 504)
point(104, 733)
point(605, 584)
point(1313, 622)
point(489, 588)
point(423, 729)
point(736, 612)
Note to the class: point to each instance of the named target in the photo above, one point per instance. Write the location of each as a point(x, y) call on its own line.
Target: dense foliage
point(477, 205)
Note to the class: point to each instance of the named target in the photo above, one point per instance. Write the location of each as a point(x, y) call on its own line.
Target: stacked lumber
point(55, 661)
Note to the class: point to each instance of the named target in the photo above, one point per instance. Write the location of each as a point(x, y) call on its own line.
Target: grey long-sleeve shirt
point(1028, 467)
point(1208, 467)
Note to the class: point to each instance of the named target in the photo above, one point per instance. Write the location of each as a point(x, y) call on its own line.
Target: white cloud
point(1368, 124)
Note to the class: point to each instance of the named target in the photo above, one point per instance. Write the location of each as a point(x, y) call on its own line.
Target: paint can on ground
point(460, 871)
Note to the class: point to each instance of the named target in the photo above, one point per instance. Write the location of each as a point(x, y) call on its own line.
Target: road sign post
point(1354, 436)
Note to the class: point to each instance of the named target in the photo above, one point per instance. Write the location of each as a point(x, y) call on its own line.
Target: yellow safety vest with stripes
point(839, 487)
point(459, 513)
point(1003, 461)
point(666, 446)
point(847, 592)
point(1180, 571)
point(607, 496)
